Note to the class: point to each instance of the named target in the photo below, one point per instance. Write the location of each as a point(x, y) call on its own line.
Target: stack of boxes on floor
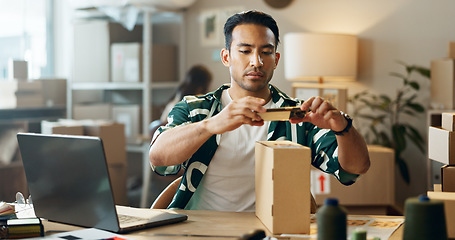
point(441, 148)
point(114, 143)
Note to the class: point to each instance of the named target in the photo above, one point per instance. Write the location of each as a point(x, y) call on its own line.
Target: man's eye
point(245, 51)
point(267, 53)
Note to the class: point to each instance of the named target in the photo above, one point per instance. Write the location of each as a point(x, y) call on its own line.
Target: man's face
point(252, 58)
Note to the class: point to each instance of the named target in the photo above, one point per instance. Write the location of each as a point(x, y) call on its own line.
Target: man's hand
point(237, 113)
point(322, 114)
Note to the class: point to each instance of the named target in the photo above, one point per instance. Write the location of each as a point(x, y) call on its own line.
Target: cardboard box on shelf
point(59, 127)
point(118, 176)
point(448, 122)
point(130, 116)
point(29, 94)
point(441, 145)
point(92, 43)
point(443, 83)
point(282, 178)
point(95, 111)
point(373, 193)
point(17, 69)
point(448, 178)
point(449, 209)
point(126, 62)
point(54, 92)
point(113, 137)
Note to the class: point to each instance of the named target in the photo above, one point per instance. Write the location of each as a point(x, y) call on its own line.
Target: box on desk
point(373, 193)
point(443, 83)
point(49, 127)
point(448, 122)
point(282, 177)
point(441, 145)
point(449, 209)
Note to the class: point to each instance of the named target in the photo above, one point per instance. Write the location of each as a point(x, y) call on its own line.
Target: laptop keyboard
point(129, 219)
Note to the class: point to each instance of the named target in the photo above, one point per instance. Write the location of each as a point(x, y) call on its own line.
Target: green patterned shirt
point(323, 144)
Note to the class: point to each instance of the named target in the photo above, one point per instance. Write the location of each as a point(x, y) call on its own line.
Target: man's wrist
point(348, 125)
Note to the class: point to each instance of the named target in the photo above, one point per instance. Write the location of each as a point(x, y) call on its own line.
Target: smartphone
point(282, 114)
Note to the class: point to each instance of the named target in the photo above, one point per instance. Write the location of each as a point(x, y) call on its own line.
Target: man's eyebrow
point(250, 45)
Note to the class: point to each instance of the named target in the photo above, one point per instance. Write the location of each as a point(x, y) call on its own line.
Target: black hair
point(197, 81)
point(249, 17)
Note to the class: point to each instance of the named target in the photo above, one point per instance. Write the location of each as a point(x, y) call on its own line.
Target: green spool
point(331, 221)
point(359, 234)
point(424, 219)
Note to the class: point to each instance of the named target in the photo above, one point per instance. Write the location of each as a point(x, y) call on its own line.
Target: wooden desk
point(202, 225)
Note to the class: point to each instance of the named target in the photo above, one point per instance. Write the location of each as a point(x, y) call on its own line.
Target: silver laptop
point(68, 180)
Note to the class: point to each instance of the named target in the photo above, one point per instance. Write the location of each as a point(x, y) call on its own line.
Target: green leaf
point(416, 107)
point(398, 75)
point(424, 71)
point(403, 167)
point(414, 85)
point(398, 133)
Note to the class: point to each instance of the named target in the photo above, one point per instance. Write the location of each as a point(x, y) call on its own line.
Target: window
point(26, 34)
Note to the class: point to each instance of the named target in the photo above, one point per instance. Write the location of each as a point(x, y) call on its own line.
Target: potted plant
point(384, 115)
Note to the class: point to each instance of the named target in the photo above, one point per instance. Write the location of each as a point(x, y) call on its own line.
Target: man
point(213, 136)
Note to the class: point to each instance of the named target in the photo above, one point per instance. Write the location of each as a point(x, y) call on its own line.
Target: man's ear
point(277, 58)
point(225, 57)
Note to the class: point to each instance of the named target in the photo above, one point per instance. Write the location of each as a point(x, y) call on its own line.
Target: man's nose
point(256, 60)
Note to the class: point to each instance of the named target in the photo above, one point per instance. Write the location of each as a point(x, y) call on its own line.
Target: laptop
point(68, 180)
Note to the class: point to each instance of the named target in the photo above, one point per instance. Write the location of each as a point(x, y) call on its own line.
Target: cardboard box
point(129, 115)
point(92, 44)
point(449, 209)
point(59, 127)
point(282, 178)
point(127, 62)
point(448, 178)
point(17, 70)
point(451, 53)
point(113, 137)
point(448, 121)
point(96, 111)
point(118, 176)
point(54, 92)
point(373, 192)
point(441, 145)
point(29, 94)
point(443, 83)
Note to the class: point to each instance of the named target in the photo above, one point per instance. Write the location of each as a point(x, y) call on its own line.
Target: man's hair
point(249, 17)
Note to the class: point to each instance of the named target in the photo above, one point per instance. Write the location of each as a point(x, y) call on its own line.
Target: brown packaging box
point(441, 145)
point(448, 178)
point(282, 179)
point(443, 83)
point(96, 111)
point(49, 127)
point(114, 142)
point(373, 193)
point(449, 209)
point(448, 121)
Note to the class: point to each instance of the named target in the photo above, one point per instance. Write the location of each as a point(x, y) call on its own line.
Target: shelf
point(31, 114)
point(121, 85)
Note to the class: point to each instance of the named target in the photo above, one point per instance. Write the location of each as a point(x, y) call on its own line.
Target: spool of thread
point(331, 221)
point(424, 219)
point(359, 234)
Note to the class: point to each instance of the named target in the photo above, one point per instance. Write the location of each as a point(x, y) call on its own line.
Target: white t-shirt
point(228, 184)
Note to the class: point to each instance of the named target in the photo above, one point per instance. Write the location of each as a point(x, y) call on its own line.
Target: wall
point(413, 31)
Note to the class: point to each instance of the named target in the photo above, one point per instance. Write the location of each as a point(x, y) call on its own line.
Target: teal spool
point(359, 234)
point(331, 221)
point(424, 219)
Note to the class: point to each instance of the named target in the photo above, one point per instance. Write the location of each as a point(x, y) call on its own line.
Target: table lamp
point(320, 57)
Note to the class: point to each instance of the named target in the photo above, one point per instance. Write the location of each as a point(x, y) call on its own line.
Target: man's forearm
point(176, 145)
point(353, 152)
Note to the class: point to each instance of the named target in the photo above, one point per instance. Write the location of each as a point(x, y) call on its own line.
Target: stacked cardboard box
point(443, 80)
point(33, 93)
point(114, 142)
point(441, 148)
point(373, 193)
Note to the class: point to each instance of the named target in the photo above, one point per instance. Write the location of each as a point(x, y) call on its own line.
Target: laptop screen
point(68, 179)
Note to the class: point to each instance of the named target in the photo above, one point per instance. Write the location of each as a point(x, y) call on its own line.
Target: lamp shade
point(312, 57)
